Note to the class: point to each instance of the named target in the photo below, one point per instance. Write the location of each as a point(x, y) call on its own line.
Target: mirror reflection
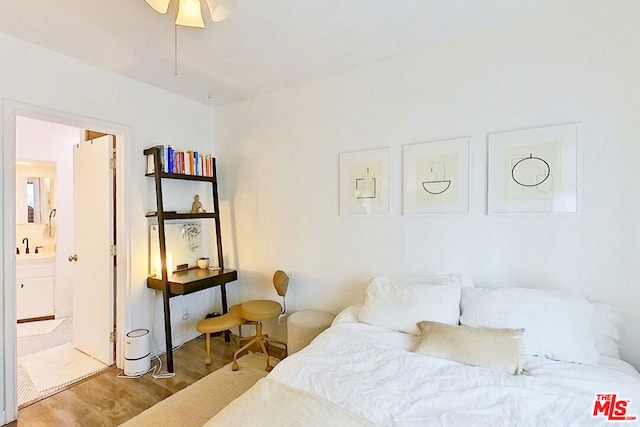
point(183, 241)
point(35, 191)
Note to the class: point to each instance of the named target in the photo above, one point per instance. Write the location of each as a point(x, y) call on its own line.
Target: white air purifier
point(136, 353)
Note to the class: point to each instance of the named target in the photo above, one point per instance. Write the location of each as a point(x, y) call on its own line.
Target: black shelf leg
point(225, 309)
point(167, 330)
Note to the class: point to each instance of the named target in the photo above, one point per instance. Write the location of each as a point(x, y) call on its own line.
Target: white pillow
point(557, 324)
point(431, 279)
point(605, 320)
point(499, 349)
point(399, 304)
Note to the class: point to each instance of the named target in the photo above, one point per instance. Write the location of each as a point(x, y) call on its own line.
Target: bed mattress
point(373, 373)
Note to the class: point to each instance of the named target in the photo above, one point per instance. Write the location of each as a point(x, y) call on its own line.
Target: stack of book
point(188, 162)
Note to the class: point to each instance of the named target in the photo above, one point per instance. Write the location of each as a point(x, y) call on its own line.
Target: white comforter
point(270, 403)
point(373, 373)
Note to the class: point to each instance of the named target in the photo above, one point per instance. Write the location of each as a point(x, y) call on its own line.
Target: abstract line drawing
point(191, 231)
point(364, 182)
point(362, 192)
point(438, 185)
point(533, 170)
point(436, 177)
point(530, 171)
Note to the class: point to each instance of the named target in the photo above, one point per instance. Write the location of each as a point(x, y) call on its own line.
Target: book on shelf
point(164, 158)
point(208, 165)
point(181, 160)
point(170, 160)
point(189, 162)
point(151, 165)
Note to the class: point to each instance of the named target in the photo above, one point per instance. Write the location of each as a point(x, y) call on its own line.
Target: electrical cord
point(155, 369)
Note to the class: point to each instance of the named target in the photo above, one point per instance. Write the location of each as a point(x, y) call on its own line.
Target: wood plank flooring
point(105, 400)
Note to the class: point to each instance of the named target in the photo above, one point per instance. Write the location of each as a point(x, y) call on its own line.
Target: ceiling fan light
point(190, 14)
point(160, 6)
point(221, 9)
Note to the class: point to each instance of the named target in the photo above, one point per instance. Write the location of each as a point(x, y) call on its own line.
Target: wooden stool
point(255, 312)
point(218, 324)
point(252, 313)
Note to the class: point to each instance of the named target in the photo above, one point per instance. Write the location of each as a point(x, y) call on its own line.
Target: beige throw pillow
point(490, 348)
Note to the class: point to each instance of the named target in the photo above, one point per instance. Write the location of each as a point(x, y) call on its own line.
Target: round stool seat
point(304, 326)
point(259, 310)
point(220, 323)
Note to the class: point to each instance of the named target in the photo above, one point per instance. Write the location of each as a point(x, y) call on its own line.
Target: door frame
point(123, 135)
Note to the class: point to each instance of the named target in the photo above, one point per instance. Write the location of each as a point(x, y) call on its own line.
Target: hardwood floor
point(106, 400)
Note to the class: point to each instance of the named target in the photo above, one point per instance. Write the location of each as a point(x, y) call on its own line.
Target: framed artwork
point(364, 182)
point(534, 170)
point(436, 177)
point(184, 242)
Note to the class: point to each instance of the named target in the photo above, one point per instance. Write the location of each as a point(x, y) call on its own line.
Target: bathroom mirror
point(35, 191)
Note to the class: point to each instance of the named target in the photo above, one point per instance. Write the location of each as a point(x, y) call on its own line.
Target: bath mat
point(58, 365)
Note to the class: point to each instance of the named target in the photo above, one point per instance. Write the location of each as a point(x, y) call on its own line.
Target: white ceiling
point(264, 46)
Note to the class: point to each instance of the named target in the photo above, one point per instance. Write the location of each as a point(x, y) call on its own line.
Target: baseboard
point(63, 314)
point(36, 319)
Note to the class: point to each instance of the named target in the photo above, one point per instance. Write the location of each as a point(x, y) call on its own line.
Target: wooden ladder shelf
point(191, 280)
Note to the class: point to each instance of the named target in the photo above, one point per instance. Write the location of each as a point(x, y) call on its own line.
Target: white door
point(92, 237)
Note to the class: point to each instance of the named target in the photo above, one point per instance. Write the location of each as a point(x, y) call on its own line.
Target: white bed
point(356, 373)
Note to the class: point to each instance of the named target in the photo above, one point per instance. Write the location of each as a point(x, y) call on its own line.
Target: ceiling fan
point(190, 11)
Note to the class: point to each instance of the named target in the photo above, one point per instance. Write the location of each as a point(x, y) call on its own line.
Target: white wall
point(279, 152)
point(35, 76)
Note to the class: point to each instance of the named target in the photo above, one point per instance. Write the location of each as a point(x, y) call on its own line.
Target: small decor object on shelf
point(196, 207)
point(203, 263)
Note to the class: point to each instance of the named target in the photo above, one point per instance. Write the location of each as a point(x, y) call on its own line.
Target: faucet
point(27, 248)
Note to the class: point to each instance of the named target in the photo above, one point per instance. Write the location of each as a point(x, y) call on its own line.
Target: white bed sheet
point(283, 406)
point(374, 373)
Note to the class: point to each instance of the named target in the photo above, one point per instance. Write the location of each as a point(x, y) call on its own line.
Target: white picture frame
point(534, 170)
point(436, 177)
point(364, 182)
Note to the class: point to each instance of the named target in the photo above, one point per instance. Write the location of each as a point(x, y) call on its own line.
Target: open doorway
point(12, 110)
point(58, 340)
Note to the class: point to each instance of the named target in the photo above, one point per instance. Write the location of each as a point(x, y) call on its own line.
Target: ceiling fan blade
point(221, 9)
point(160, 6)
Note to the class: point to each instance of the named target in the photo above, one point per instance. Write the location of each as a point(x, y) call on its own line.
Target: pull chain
point(175, 52)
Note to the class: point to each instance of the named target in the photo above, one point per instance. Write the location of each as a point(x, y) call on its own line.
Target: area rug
point(58, 365)
point(196, 404)
point(28, 329)
point(27, 393)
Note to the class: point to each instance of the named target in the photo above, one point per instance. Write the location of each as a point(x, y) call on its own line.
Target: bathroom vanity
point(35, 281)
point(35, 239)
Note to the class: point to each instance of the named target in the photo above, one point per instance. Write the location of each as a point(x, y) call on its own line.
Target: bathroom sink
point(42, 256)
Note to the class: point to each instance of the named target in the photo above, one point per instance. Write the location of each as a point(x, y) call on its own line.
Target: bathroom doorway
point(56, 345)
